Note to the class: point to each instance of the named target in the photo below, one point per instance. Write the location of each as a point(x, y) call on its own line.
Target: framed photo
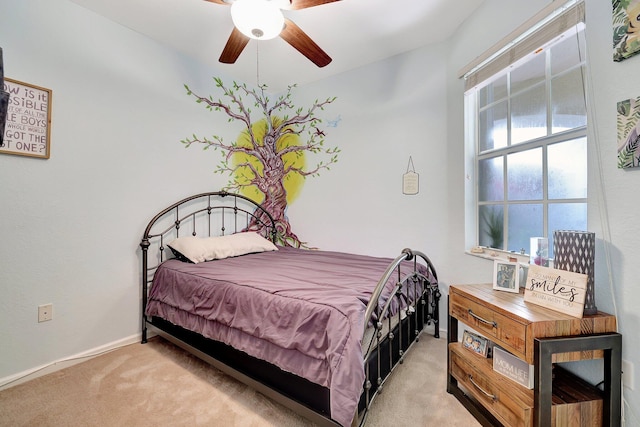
point(28, 125)
point(506, 276)
point(475, 343)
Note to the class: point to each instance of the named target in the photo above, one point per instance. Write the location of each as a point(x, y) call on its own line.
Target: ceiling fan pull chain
point(258, 62)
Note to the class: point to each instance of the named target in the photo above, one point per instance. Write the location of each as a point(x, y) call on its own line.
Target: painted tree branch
point(262, 143)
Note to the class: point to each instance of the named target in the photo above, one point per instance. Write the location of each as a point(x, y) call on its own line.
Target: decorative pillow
point(200, 249)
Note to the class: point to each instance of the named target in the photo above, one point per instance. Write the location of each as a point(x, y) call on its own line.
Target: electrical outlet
point(45, 312)
point(627, 374)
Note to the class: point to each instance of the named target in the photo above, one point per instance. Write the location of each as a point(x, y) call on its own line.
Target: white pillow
point(200, 249)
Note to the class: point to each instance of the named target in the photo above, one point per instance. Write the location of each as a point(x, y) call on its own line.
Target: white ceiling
point(353, 32)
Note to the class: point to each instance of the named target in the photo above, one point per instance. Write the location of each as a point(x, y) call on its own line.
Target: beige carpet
point(158, 384)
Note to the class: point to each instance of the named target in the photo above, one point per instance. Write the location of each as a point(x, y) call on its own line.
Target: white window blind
point(548, 24)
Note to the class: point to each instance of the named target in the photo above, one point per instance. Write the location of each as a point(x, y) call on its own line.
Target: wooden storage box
point(575, 402)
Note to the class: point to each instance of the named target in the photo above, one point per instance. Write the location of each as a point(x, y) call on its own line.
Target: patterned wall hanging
point(626, 28)
point(628, 125)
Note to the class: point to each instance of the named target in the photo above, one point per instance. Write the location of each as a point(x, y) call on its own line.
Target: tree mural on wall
point(267, 162)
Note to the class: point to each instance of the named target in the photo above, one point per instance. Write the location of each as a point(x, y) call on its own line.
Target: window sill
point(499, 254)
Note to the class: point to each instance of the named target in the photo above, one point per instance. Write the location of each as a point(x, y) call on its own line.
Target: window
point(528, 129)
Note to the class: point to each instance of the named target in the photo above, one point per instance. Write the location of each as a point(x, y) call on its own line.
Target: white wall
point(71, 224)
point(389, 111)
point(612, 202)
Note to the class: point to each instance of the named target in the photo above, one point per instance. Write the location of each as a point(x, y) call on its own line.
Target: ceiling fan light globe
point(257, 19)
point(282, 4)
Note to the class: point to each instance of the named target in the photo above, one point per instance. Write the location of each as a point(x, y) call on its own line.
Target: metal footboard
point(417, 296)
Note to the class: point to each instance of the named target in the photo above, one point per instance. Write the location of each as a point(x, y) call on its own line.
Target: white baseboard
point(30, 374)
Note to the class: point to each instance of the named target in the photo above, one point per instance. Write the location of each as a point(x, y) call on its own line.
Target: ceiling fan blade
point(303, 4)
point(294, 4)
point(297, 38)
point(236, 43)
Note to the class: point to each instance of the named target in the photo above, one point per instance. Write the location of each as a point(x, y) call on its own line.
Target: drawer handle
point(492, 396)
point(475, 316)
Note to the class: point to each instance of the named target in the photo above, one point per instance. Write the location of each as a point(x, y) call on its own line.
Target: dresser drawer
point(506, 332)
point(574, 402)
point(475, 375)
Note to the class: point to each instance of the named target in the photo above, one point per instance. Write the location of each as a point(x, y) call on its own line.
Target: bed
point(317, 331)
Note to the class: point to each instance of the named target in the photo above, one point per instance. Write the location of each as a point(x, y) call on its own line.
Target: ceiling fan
point(263, 20)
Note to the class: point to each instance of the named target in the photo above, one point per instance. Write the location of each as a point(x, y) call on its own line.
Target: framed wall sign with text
point(28, 127)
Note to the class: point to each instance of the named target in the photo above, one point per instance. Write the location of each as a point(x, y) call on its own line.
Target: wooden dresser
point(541, 337)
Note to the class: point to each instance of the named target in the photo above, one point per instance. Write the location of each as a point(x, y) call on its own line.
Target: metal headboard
point(206, 214)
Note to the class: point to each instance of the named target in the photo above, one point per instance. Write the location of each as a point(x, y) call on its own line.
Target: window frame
point(473, 156)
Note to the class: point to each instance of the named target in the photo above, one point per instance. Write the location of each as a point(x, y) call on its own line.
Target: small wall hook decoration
point(410, 180)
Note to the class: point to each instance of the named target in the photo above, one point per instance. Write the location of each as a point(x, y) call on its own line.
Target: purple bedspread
point(300, 310)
